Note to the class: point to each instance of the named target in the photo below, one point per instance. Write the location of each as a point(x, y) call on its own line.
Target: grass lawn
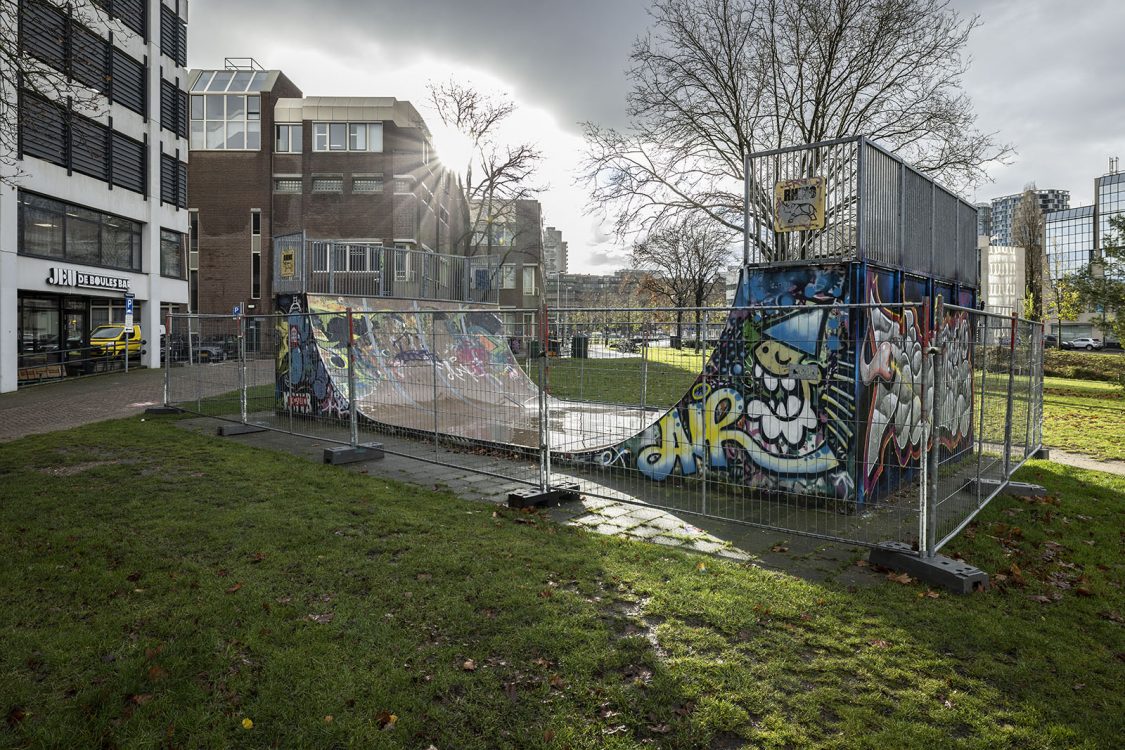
point(166, 589)
point(1084, 416)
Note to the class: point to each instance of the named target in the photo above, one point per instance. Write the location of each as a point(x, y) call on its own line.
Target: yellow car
point(114, 340)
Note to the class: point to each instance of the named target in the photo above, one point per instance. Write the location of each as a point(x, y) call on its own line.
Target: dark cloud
point(1046, 76)
point(568, 56)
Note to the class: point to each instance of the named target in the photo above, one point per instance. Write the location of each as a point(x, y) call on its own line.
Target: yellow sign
point(799, 204)
point(288, 264)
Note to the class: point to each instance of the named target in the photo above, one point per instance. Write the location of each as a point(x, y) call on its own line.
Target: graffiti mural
point(805, 392)
point(899, 387)
point(303, 382)
point(773, 406)
point(893, 372)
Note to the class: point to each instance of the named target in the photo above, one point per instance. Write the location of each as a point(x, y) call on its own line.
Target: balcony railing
point(368, 269)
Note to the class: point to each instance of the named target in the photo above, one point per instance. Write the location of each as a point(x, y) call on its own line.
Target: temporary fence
point(862, 423)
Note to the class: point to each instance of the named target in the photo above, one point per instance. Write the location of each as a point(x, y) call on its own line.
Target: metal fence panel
point(844, 422)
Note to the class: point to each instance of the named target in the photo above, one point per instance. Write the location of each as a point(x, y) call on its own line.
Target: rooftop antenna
point(1114, 163)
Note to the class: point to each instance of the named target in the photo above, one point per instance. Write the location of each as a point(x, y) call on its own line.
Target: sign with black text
point(72, 277)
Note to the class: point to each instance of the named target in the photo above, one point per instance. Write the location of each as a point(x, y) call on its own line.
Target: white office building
point(95, 207)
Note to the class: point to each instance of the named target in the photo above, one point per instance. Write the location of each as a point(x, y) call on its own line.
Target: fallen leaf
point(556, 682)
point(234, 588)
point(546, 594)
point(902, 578)
point(541, 662)
point(16, 716)
point(701, 567)
point(779, 548)
point(424, 576)
point(156, 673)
point(152, 653)
point(469, 665)
point(258, 557)
point(929, 594)
point(605, 711)
point(1079, 685)
point(1039, 598)
point(879, 643)
point(134, 576)
point(247, 724)
point(548, 735)
point(284, 599)
point(323, 619)
point(659, 728)
point(386, 720)
point(861, 563)
point(1083, 591)
point(328, 719)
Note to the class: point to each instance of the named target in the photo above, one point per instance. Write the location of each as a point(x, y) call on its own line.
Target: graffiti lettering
point(710, 425)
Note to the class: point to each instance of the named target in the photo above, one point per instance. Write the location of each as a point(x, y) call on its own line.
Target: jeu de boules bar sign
point(71, 277)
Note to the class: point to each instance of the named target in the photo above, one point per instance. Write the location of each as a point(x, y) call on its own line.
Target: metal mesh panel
point(945, 234)
point(838, 164)
point(918, 221)
point(880, 202)
point(878, 209)
point(854, 423)
point(989, 407)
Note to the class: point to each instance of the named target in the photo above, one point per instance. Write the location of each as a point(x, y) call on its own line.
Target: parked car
point(114, 340)
point(198, 351)
point(1083, 342)
point(1050, 341)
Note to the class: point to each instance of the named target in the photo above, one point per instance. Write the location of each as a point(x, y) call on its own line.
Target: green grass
point(1084, 416)
point(160, 587)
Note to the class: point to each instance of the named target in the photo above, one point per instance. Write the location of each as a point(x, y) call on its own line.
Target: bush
point(1109, 368)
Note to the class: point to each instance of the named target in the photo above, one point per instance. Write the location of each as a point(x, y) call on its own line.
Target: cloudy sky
point(1046, 76)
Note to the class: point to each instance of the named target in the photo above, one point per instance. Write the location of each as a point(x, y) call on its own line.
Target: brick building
point(268, 161)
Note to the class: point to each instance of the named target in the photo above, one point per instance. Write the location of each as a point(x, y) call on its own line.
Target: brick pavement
point(70, 403)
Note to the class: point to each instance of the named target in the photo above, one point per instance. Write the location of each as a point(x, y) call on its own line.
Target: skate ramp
point(429, 367)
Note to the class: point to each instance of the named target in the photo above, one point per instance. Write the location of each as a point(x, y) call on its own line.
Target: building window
point(172, 252)
point(508, 276)
point(404, 185)
point(348, 136)
point(287, 139)
point(529, 276)
point(287, 185)
point(229, 122)
point(367, 183)
point(173, 36)
point(193, 261)
point(54, 134)
point(256, 253)
point(173, 109)
point(173, 181)
point(133, 13)
point(403, 266)
point(52, 229)
point(327, 184)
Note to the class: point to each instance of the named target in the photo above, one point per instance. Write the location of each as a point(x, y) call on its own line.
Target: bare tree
point(715, 80)
point(24, 75)
point(497, 174)
point(1028, 229)
point(685, 261)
